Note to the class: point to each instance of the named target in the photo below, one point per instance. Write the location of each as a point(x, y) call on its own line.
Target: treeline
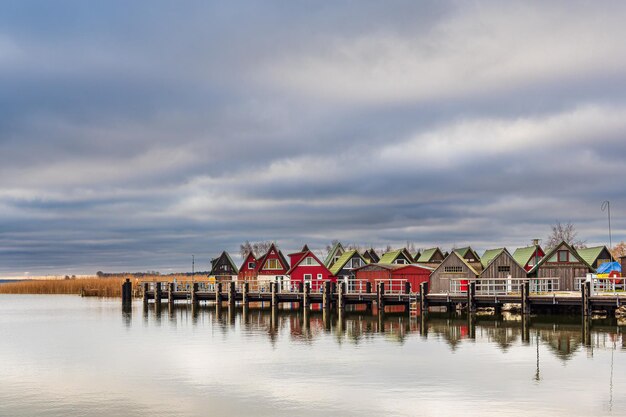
point(101, 274)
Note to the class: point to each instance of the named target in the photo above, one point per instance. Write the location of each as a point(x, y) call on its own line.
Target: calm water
point(72, 356)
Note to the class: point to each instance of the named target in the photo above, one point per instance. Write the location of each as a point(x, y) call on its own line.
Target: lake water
point(72, 356)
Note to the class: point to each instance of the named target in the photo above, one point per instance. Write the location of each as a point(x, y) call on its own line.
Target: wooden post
point(525, 295)
point(300, 287)
point(306, 301)
point(471, 301)
point(127, 292)
point(381, 297)
point(368, 287)
point(525, 328)
point(274, 298)
point(341, 296)
point(194, 294)
point(170, 293)
point(244, 293)
point(145, 293)
point(585, 294)
point(423, 298)
point(407, 287)
point(231, 294)
point(218, 293)
point(157, 292)
point(326, 295)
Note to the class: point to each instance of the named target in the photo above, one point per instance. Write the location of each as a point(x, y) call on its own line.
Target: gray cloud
point(133, 135)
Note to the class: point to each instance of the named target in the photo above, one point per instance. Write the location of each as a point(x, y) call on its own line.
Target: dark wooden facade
point(223, 268)
point(371, 256)
point(563, 262)
point(503, 266)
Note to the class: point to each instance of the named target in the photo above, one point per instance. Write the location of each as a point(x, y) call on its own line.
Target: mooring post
point(157, 293)
point(127, 292)
point(306, 296)
point(423, 299)
point(407, 287)
point(326, 295)
point(471, 300)
point(381, 297)
point(274, 299)
point(368, 287)
point(145, 293)
point(525, 328)
point(231, 294)
point(218, 293)
point(245, 290)
point(586, 301)
point(301, 287)
point(341, 296)
point(194, 294)
point(525, 300)
point(170, 293)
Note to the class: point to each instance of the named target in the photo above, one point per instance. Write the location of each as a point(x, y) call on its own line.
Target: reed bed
point(99, 287)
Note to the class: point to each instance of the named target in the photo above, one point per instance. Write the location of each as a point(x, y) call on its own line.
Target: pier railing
point(393, 286)
point(505, 286)
point(358, 286)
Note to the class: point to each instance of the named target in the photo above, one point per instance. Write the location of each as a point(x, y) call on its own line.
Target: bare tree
point(564, 233)
point(410, 246)
point(256, 248)
point(619, 250)
point(331, 245)
point(388, 249)
point(354, 246)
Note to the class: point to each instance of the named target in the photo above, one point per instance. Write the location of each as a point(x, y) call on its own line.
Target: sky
point(134, 135)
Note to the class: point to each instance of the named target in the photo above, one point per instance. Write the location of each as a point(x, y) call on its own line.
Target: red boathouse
point(415, 274)
point(306, 267)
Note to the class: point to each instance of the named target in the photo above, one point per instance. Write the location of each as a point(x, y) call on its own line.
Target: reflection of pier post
point(157, 293)
point(145, 293)
point(586, 298)
point(231, 295)
point(195, 312)
point(341, 296)
point(381, 322)
point(586, 330)
point(194, 295)
point(274, 318)
point(525, 328)
point(245, 290)
point(326, 296)
point(471, 326)
point(245, 313)
point(424, 324)
point(306, 317)
point(170, 293)
point(326, 318)
point(232, 313)
point(127, 314)
point(341, 320)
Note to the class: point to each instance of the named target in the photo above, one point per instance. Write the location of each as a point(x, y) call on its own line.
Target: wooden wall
point(440, 280)
point(567, 272)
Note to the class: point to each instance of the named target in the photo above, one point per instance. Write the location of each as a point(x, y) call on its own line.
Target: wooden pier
point(337, 296)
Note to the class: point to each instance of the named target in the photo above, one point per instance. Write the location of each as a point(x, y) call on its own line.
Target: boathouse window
point(563, 256)
point(400, 261)
point(356, 263)
point(251, 265)
point(308, 277)
point(504, 268)
point(319, 276)
point(272, 264)
point(309, 261)
point(452, 269)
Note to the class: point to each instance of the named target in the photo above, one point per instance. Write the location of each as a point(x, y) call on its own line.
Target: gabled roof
point(343, 259)
point(329, 258)
point(283, 260)
point(305, 248)
point(490, 255)
point(390, 257)
point(467, 264)
point(522, 255)
point(371, 253)
point(225, 255)
point(493, 255)
point(427, 255)
point(553, 251)
point(590, 255)
point(307, 254)
point(464, 251)
point(249, 258)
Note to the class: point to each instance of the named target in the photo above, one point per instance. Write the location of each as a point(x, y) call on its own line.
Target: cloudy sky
point(135, 134)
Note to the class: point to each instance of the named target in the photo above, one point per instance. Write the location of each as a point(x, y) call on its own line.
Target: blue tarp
point(608, 267)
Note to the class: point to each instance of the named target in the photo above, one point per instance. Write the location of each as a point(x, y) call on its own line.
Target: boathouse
point(374, 273)
point(223, 268)
point(399, 257)
point(564, 263)
point(453, 274)
point(468, 254)
point(272, 266)
point(307, 268)
point(499, 263)
point(595, 256)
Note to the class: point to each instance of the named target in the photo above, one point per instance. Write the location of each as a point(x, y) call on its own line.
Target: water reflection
point(563, 336)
